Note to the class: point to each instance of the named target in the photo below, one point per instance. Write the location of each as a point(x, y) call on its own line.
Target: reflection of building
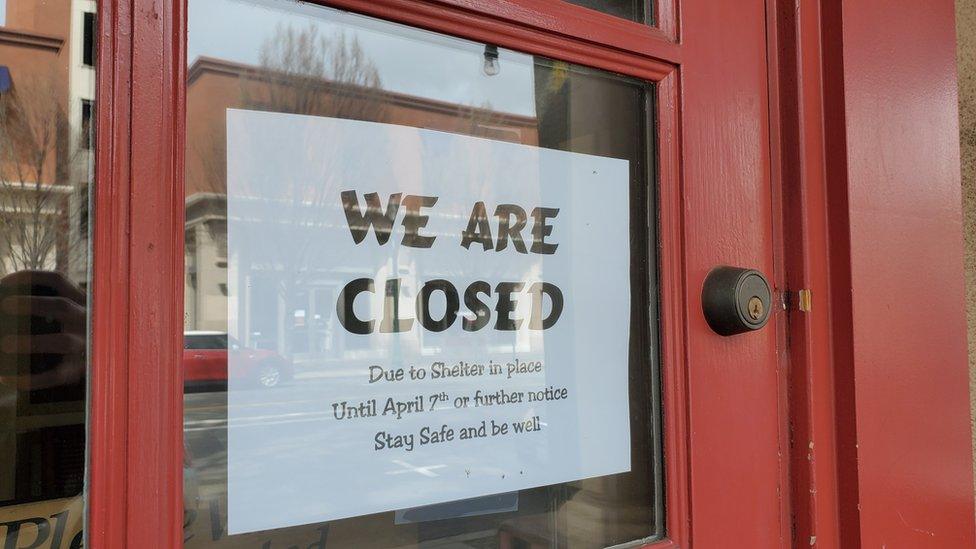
point(47, 84)
point(213, 87)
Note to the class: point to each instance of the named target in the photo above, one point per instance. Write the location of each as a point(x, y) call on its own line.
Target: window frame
point(135, 447)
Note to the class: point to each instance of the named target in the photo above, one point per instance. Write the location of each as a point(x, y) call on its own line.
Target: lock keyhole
point(756, 308)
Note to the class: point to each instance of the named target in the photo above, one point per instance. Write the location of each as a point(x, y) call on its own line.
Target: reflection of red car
point(205, 361)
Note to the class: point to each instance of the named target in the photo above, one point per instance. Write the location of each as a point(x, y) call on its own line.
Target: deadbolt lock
point(736, 300)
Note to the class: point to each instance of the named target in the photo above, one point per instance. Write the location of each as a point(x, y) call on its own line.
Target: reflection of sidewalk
point(327, 373)
point(319, 368)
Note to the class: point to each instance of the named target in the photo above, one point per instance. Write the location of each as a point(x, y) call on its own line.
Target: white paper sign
point(477, 346)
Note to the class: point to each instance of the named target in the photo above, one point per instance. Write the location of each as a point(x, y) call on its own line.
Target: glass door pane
point(635, 10)
point(386, 315)
point(47, 88)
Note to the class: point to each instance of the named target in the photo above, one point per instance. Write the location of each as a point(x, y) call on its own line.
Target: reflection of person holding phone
point(43, 343)
point(42, 332)
point(43, 319)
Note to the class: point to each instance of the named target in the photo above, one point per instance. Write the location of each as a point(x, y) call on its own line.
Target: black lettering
point(536, 322)
point(482, 313)
point(59, 523)
point(451, 309)
point(506, 305)
point(375, 373)
point(359, 224)
point(506, 230)
point(413, 221)
point(13, 532)
point(392, 323)
point(478, 230)
point(540, 230)
point(344, 306)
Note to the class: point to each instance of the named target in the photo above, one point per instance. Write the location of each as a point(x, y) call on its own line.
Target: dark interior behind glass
point(640, 11)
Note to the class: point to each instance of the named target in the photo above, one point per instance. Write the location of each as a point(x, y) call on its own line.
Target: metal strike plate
point(736, 300)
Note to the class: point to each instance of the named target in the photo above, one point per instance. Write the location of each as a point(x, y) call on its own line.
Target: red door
point(721, 474)
point(685, 98)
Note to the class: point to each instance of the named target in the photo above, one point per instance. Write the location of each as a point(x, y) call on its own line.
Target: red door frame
point(905, 354)
point(823, 500)
point(135, 431)
point(865, 109)
point(824, 70)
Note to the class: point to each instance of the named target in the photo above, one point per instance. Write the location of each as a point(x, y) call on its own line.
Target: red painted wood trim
point(779, 101)
point(667, 19)
point(560, 17)
point(137, 392)
point(673, 314)
point(737, 421)
point(606, 42)
point(898, 145)
point(109, 300)
point(799, 163)
point(835, 144)
point(155, 406)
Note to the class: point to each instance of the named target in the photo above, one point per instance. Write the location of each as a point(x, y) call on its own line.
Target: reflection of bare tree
point(484, 121)
point(306, 73)
point(309, 74)
point(34, 163)
point(303, 72)
point(300, 72)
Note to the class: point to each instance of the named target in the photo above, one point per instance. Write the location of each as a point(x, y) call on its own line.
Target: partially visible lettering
point(507, 294)
point(382, 220)
point(60, 530)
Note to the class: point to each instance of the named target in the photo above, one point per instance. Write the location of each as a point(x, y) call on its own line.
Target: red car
point(205, 361)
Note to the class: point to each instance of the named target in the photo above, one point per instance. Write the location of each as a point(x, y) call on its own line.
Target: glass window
point(88, 39)
point(204, 341)
point(87, 128)
point(635, 10)
point(46, 162)
point(300, 67)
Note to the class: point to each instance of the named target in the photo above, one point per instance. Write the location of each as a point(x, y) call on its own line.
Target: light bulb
point(491, 66)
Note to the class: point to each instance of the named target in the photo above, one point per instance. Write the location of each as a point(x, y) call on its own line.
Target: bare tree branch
point(35, 191)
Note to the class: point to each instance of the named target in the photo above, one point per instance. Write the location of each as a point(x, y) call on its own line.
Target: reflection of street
point(303, 401)
point(205, 434)
point(208, 412)
point(205, 423)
